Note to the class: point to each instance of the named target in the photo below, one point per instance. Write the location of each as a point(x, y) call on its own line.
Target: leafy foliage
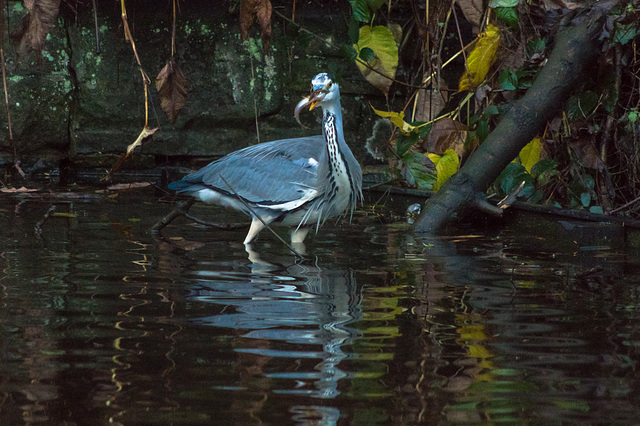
point(587, 156)
point(378, 56)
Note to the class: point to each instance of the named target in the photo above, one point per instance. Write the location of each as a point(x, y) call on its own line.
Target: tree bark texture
point(575, 49)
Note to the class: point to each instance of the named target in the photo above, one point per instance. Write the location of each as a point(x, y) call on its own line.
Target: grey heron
point(298, 183)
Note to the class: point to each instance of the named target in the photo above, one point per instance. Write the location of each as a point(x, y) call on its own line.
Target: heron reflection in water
point(303, 314)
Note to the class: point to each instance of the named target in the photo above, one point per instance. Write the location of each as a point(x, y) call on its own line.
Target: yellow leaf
point(530, 154)
point(446, 166)
point(397, 118)
point(381, 71)
point(481, 58)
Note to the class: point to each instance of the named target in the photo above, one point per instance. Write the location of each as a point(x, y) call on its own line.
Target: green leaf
point(381, 41)
point(446, 166)
point(490, 110)
point(511, 176)
point(544, 171)
point(354, 30)
point(537, 45)
point(362, 8)
point(508, 80)
point(349, 52)
point(582, 105)
point(367, 55)
point(624, 33)
point(589, 182)
point(509, 15)
point(404, 143)
point(503, 3)
point(482, 130)
point(530, 154)
point(596, 209)
point(585, 199)
point(415, 172)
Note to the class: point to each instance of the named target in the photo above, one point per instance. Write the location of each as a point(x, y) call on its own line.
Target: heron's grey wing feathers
point(262, 173)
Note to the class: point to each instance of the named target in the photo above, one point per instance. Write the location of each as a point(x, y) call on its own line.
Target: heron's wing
point(271, 173)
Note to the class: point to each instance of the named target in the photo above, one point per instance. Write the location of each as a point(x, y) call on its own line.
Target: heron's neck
point(332, 123)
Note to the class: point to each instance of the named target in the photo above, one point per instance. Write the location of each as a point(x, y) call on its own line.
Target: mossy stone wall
point(75, 104)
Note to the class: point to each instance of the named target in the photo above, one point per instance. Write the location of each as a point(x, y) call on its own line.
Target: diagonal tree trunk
point(576, 48)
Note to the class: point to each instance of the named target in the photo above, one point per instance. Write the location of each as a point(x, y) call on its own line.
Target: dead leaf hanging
point(32, 34)
point(146, 132)
point(171, 84)
point(262, 11)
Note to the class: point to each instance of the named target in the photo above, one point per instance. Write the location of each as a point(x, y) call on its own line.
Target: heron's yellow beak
point(312, 101)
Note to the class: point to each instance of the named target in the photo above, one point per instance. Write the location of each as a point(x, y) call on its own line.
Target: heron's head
point(324, 89)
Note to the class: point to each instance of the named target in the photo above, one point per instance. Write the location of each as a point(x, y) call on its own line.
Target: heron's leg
point(298, 235)
point(256, 226)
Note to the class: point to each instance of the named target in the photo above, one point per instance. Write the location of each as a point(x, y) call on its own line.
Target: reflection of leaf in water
point(132, 185)
point(62, 214)
point(14, 190)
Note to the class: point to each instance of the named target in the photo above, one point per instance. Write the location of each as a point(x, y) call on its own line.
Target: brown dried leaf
point(560, 4)
point(32, 34)
point(446, 134)
point(14, 190)
point(172, 89)
point(146, 132)
point(473, 12)
point(430, 102)
point(585, 150)
point(513, 59)
point(262, 11)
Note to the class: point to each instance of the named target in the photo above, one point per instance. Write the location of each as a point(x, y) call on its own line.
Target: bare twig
point(95, 19)
point(182, 209)
point(255, 101)
point(12, 142)
point(630, 203)
point(146, 81)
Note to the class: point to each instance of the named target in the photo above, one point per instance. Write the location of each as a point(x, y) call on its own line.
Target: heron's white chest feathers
point(338, 184)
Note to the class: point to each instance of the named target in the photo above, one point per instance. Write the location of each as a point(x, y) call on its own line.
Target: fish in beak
point(311, 101)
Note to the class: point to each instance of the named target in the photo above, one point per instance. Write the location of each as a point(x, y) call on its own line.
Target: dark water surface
point(104, 323)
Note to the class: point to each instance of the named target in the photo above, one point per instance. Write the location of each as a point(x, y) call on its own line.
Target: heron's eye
point(329, 85)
